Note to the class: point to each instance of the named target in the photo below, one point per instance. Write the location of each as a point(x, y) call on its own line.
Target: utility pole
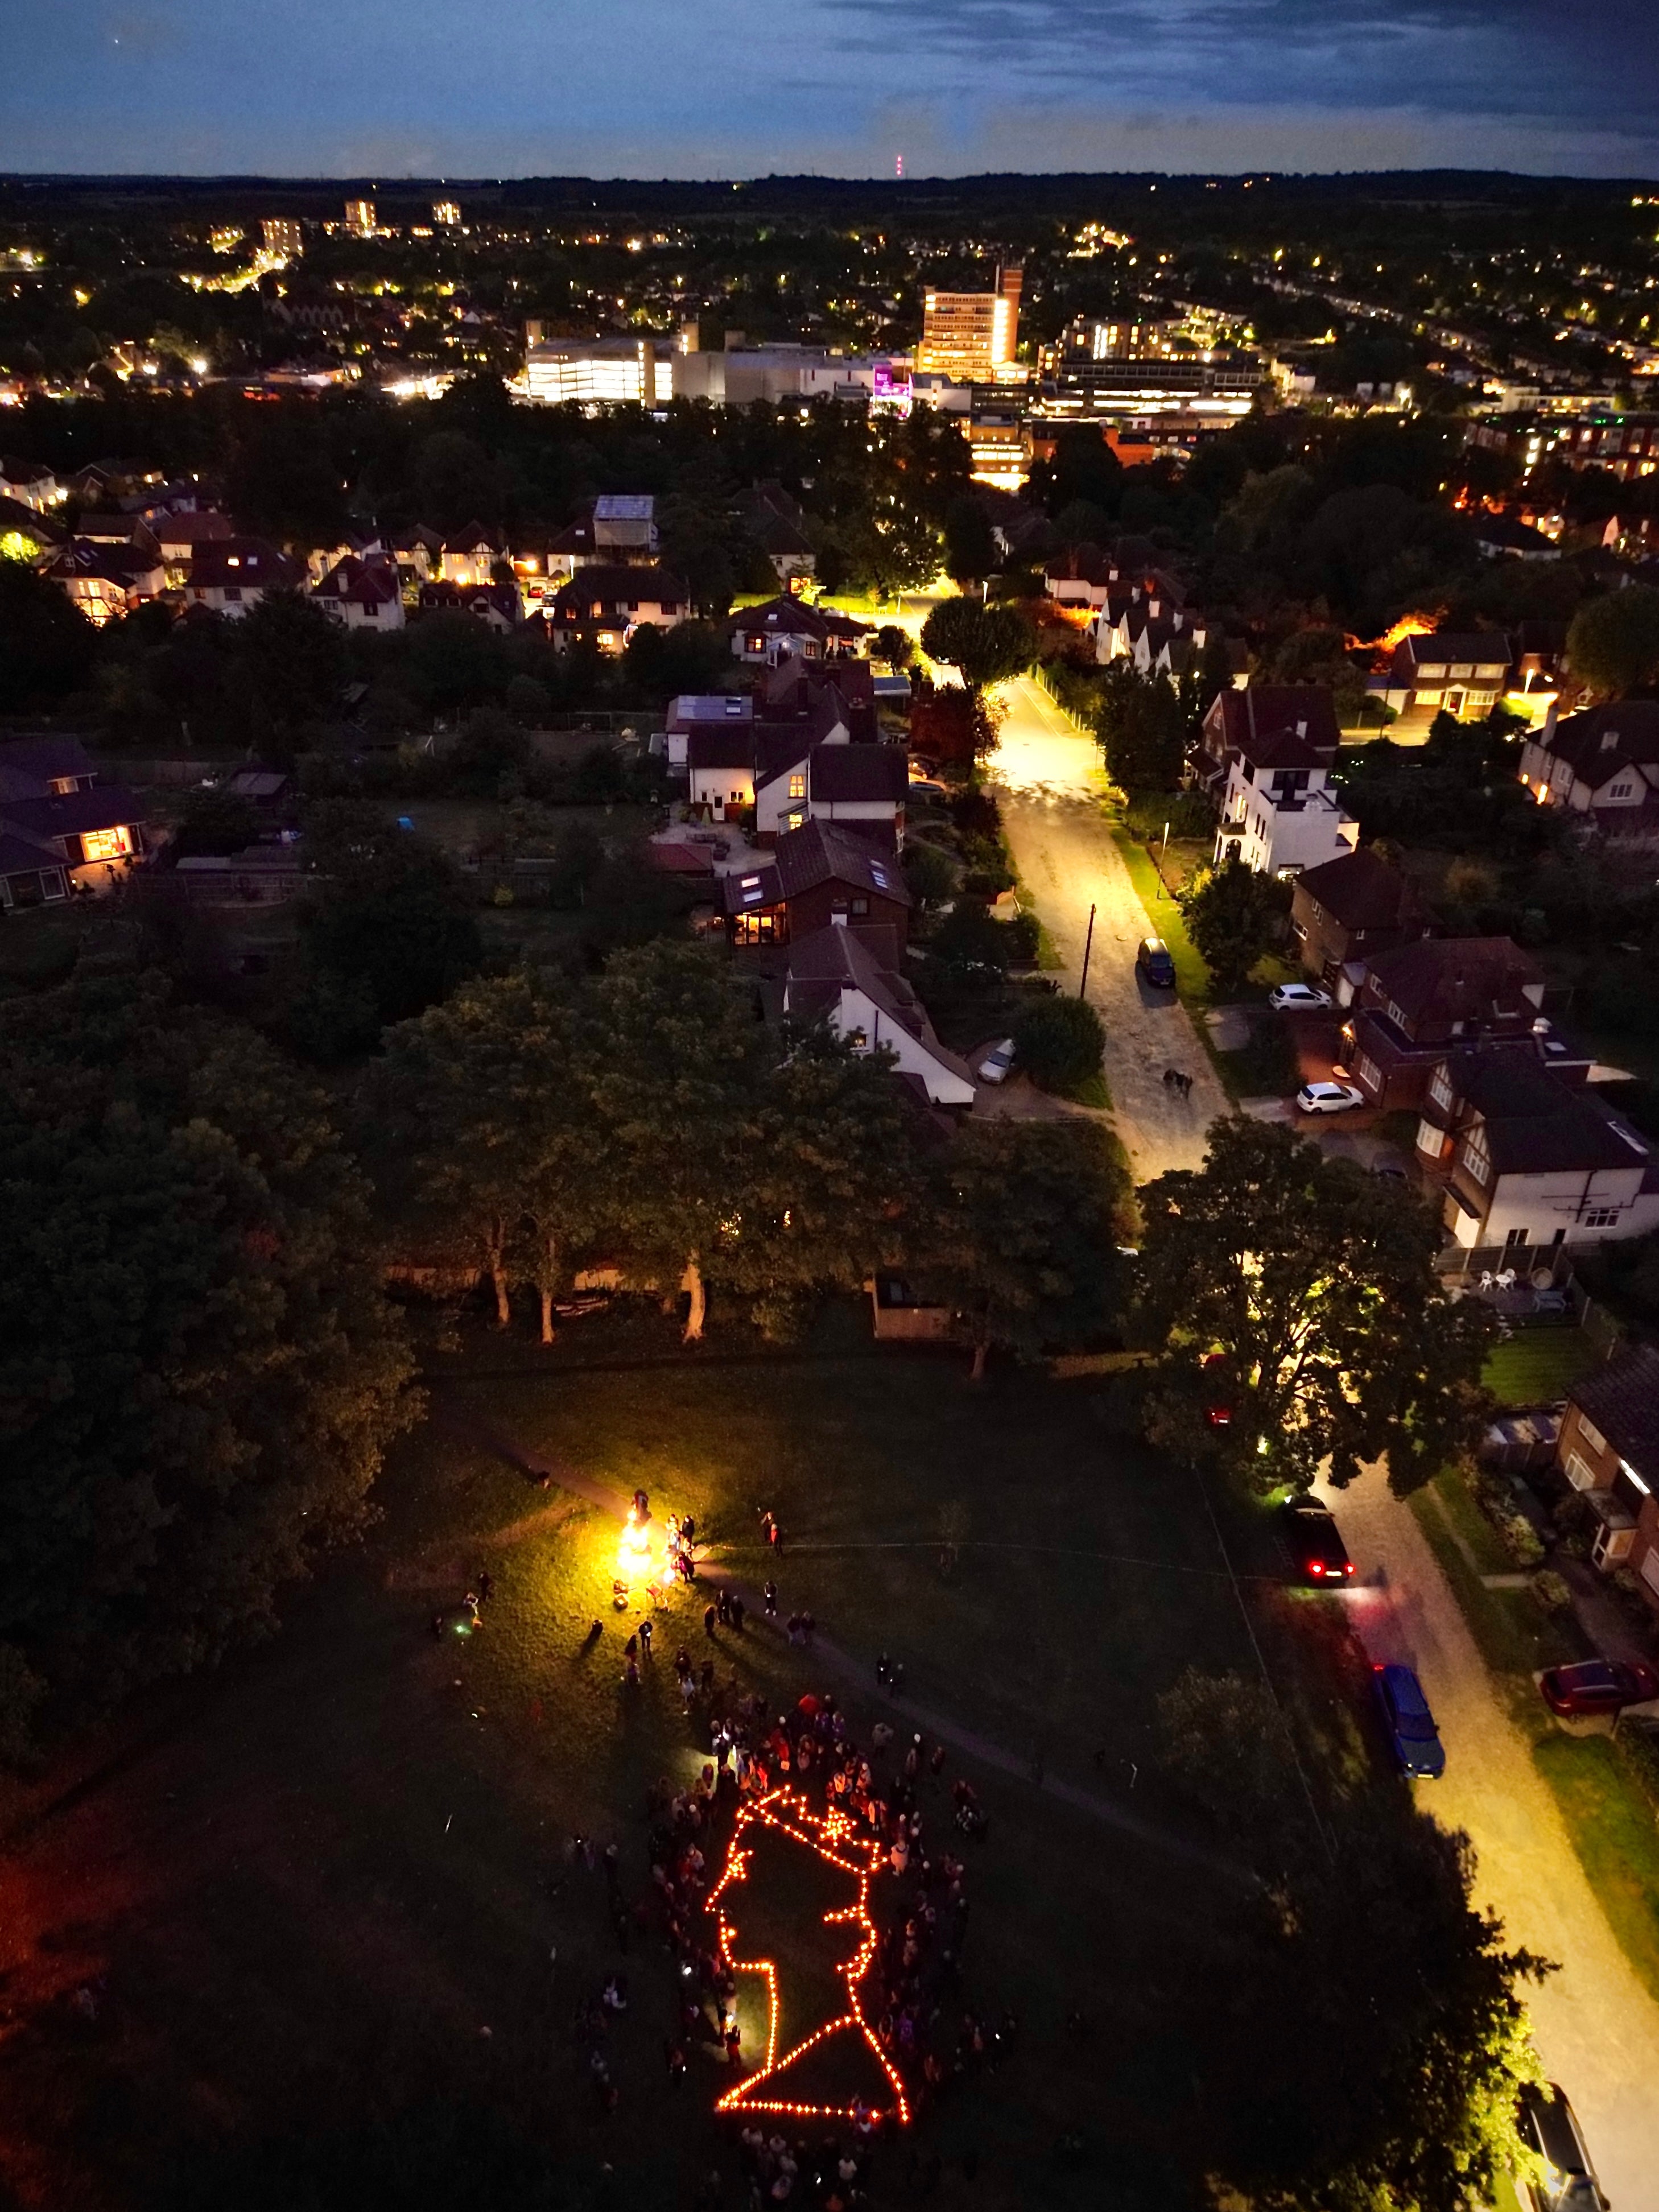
point(1088, 947)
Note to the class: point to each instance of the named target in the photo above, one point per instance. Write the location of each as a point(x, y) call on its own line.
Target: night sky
point(741, 87)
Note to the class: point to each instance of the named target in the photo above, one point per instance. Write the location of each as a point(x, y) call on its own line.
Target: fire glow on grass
point(633, 1553)
point(832, 1836)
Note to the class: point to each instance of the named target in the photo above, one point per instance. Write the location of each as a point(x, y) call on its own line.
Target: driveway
point(1597, 2028)
point(1051, 786)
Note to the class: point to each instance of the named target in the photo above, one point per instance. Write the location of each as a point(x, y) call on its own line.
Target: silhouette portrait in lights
point(821, 2057)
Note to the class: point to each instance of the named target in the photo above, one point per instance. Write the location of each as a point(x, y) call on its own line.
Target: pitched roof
point(364, 583)
point(1622, 1400)
point(116, 564)
point(30, 766)
point(1457, 978)
point(716, 745)
point(616, 585)
point(850, 773)
point(787, 617)
point(1249, 717)
point(199, 528)
point(106, 806)
point(21, 855)
point(223, 561)
point(817, 853)
point(1537, 1124)
point(1282, 749)
point(1598, 743)
point(832, 959)
point(28, 522)
point(1360, 890)
point(1486, 648)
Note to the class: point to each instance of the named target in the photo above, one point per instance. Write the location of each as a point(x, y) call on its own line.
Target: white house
point(842, 974)
point(1534, 1164)
point(362, 594)
point(231, 574)
point(1279, 813)
point(703, 710)
point(1603, 764)
point(30, 483)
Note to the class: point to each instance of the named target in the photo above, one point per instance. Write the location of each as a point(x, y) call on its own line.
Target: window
point(1370, 1074)
point(1580, 1473)
point(105, 844)
point(859, 905)
point(1592, 1436)
point(63, 786)
point(1441, 1090)
point(233, 591)
point(1601, 1216)
point(1476, 1159)
point(1620, 790)
point(798, 786)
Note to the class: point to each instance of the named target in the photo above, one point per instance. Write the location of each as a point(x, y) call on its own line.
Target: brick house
point(1608, 1448)
point(822, 875)
point(1421, 1001)
point(1346, 911)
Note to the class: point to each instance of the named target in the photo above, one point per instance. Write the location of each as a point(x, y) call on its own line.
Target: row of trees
point(648, 1117)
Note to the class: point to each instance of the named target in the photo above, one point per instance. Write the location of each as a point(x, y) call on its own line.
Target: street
point(1051, 782)
point(1596, 2027)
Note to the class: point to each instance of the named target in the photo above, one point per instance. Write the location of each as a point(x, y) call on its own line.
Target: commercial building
point(447, 214)
point(970, 336)
point(624, 371)
point(283, 237)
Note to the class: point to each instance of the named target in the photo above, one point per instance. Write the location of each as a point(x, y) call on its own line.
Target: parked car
point(1549, 2126)
point(1410, 1723)
point(1219, 1412)
point(1154, 961)
point(1328, 1097)
point(1598, 1686)
point(994, 1068)
point(1314, 1543)
point(1389, 1171)
point(1298, 998)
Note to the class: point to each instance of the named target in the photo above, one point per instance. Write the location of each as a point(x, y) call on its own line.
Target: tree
point(671, 1050)
point(198, 1371)
point(488, 1103)
point(1023, 1238)
point(1314, 1286)
point(391, 915)
point(214, 820)
point(1377, 2041)
point(1059, 1042)
point(295, 654)
point(1613, 643)
point(1234, 916)
point(894, 646)
point(46, 645)
point(986, 644)
point(971, 545)
point(1142, 730)
point(929, 872)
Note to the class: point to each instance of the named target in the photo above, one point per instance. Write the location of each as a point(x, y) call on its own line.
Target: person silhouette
point(792, 1907)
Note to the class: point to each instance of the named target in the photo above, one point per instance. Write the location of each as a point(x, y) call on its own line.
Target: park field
point(332, 1880)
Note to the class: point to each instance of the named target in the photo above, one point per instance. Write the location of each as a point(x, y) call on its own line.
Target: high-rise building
point(360, 217)
point(283, 234)
point(971, 335)
point(447, 213)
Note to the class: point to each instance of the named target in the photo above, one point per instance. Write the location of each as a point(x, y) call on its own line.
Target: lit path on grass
point(833, 1660)
point(1596, 2024)
point(1051, 788)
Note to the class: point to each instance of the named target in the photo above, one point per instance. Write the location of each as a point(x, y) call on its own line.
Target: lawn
point(1613, 1830)
point(1535, 1366)
point(302, 1889)
point(1192, 976)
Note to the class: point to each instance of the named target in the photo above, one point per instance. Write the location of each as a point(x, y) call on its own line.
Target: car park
point(1298, 998)
point(994, 1068)
point(1549, 2128)
point(1154, 960)
point(1406, 1715)
point(1598, 1686)
point(1314, 1543)
point(1328, 1097)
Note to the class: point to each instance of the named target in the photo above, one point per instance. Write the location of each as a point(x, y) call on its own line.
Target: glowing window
point(798, 786)
point(105, 844)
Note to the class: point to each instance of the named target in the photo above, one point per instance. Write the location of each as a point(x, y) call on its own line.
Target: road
point(1052, 783)
point(1596, 2026)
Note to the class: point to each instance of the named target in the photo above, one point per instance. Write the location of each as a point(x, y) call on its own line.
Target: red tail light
point(1317, 1567)
point(1348, 1567)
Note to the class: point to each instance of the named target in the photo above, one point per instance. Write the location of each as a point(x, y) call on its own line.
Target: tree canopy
point(986, 644)
point(1613, 642)
point(1234, 916)
point(1312, 1283)
point(200, 1373)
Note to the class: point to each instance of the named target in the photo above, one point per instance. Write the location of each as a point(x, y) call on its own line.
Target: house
point(106, 581)
point(26, 534)
point(1450, 673)
point(363, 594)
point(624, 526)
point(1608, 1450)
point(701, 710)
point(1346, 911)
point(31, 483)
point(1279, 813)
point(775, 523)
point(1534, 1165)
point(472, 556)
point(1506, 537)
point(177, 536)
point(231, 574)
point(850, 978)
point(1417, 1003)
point(1602, 765)
point(820, 876)
point(1156, 635)
point(720, 765)
point(60, 828)
point(836, 781)
point(785, 628)
point(497, 605)
point(606, 603)
point(419, 553)
point(1239, 719)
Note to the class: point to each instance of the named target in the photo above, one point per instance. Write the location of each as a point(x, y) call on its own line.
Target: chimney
point(1301, 729)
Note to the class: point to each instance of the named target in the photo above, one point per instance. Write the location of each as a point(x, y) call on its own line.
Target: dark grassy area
point(1264, 1069)
point(300, 1889)
point(1535, 1366)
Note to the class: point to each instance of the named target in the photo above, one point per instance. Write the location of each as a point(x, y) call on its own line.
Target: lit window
point(798, 786)
point(105, 844)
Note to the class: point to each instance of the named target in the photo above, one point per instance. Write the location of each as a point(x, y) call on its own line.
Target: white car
point(1328, 1097)
point(1297, 998)
point(994, 1068)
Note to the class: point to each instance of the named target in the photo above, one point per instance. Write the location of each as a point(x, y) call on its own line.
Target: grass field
point(1535, 1366)
point(304, 1887)
point(1192, 976)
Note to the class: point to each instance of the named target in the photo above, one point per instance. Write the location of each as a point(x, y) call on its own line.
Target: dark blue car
point(1410, 1723)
